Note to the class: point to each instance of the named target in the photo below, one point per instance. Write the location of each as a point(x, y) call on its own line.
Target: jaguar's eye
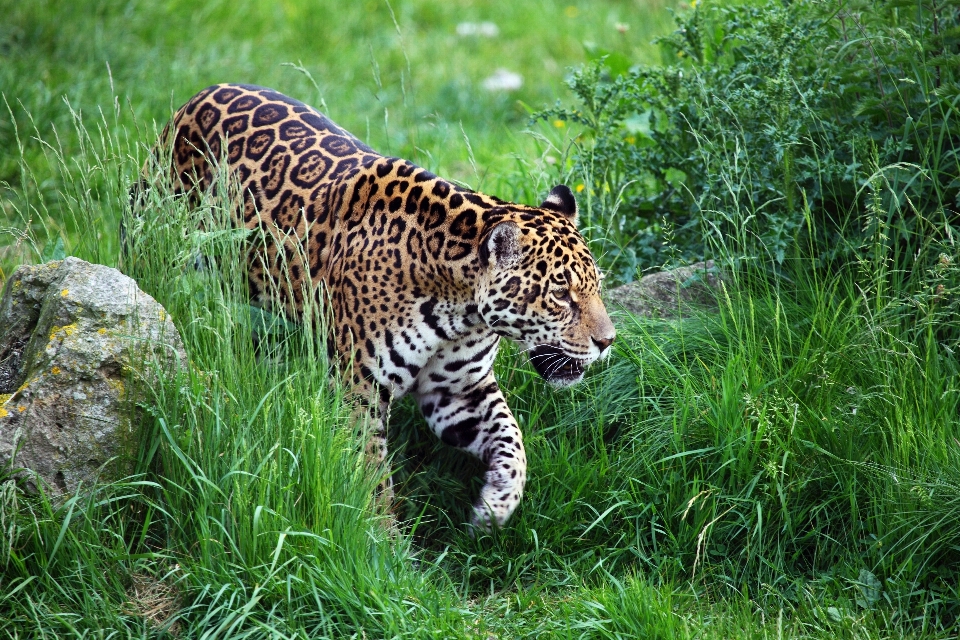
point(561, 293)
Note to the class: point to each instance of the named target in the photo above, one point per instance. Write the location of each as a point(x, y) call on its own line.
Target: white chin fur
point(567, 382)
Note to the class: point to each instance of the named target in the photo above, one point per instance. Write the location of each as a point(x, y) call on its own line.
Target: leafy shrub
point(763, 113)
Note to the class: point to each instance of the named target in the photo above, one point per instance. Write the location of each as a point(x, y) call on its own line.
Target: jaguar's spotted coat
point(423, 277)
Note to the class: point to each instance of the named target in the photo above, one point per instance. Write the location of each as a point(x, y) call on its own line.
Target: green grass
point(786, 467)
point(396, 75)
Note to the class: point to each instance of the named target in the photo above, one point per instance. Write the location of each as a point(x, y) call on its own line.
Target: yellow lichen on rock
point(65, 293)
point(5, 398)
point(68, 330)
point(3, 412)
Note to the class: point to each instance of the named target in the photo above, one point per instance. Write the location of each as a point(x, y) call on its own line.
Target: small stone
point(483, 29)
point(503, 80)
point(668, 293)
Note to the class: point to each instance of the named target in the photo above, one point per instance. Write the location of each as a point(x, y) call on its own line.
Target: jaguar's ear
point(500, 246)
point(562, 201)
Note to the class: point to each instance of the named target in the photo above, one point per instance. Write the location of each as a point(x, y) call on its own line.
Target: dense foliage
point(765, 114)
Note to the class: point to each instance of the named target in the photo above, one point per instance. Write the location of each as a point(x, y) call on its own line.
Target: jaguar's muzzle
point(555, 366)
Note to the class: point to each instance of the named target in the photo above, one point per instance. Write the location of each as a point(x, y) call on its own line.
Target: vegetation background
point(788, 466)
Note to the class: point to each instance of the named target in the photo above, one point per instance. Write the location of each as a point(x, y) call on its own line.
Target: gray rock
point(76, 341)
point(670, 293)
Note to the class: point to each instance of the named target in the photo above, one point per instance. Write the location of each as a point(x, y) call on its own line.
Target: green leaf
point(616, 63)
point(639, 124)
point(674, 176)
point(870, 589)
point(53, 250)
point(266, 323)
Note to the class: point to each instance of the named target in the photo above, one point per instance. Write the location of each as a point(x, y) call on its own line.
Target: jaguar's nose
point(605, 342)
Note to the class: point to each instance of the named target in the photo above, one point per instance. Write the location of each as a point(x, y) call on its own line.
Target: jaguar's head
point(540, 286)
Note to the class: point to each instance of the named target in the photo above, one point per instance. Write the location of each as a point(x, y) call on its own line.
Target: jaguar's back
point(286, 158)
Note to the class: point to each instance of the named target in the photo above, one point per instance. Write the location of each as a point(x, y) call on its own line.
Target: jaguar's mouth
point(555, 366)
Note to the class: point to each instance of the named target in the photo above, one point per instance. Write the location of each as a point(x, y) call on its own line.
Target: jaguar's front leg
point(475, 417)
point(371, 413)
point(376, 454)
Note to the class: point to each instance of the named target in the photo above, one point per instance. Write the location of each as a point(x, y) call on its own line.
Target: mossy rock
point(76, 341)
point(668, 294)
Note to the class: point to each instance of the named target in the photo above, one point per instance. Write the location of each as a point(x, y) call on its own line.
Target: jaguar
point(420, 277)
